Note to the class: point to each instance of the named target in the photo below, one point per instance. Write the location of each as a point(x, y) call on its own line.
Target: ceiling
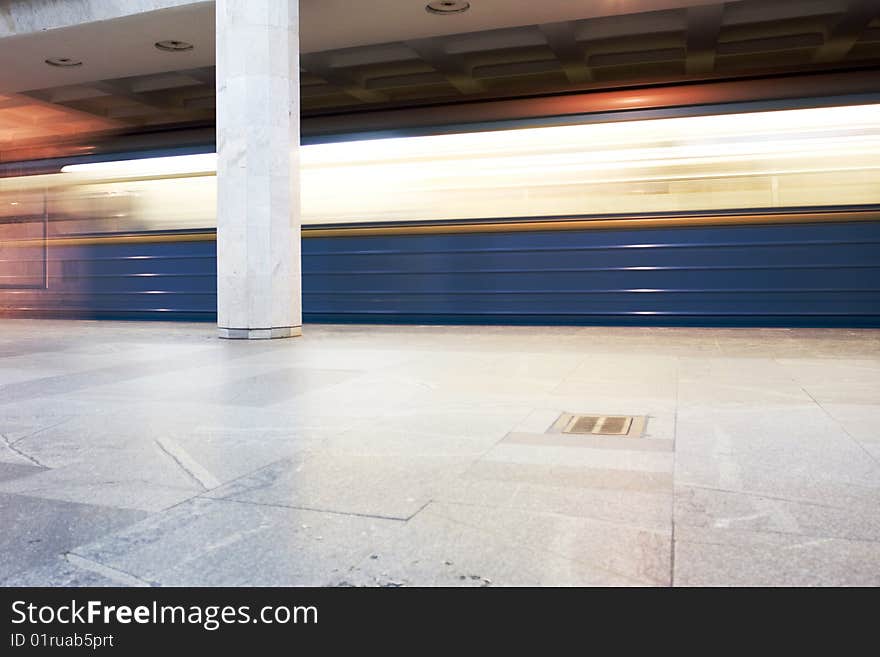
point(393, 53)
point(123, 46)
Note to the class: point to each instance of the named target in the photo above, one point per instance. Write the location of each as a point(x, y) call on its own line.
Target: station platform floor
point(157, 454)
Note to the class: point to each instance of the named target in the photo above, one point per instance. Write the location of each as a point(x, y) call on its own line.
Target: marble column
point(258, 216)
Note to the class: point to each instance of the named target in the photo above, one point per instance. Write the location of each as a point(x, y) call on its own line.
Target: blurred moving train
point(716, 217)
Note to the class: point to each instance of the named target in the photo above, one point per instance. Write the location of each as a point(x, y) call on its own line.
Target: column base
point(259, 334)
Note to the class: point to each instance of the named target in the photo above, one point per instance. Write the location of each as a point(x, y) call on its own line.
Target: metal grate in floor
point(603, 425)
point(596, 424)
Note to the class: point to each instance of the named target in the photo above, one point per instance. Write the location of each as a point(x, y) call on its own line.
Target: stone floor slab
point(709, 557)
point(37, 531)
point(225, 543)
point(720, 509)
point(144, 453)
point(452, 545)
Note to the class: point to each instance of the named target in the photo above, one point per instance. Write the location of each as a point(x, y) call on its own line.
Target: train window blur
point(134, 205)
point(793, 158)
point(22, 231)
point(810, 157)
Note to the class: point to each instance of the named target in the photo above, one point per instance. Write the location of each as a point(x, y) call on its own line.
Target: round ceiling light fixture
point(63, 62)
point(446, 7)
point(172, 45)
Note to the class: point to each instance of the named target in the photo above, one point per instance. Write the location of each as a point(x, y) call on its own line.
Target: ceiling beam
point(453, 67)
point(207, 75)
point(73, 107)
point(318, 65)
point(563, 42)
point(150, 99)
point(843, 35)
point(703, 27)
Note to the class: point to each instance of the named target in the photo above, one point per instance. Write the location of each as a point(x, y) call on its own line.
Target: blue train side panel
point(147, 280)
point(760, 275)
point(822, 274)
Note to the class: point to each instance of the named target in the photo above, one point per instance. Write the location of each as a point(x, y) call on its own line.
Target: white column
point(258, 217)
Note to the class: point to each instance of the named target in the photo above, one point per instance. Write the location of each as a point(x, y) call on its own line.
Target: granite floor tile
point(709, 557)
point(59, 571)
point(709, 392)
point(637, 508)
point(850, 480)
point(382, 485)
point(590, 458)
point(859, 420)
point(451, 545)
point(721, 509)
point(802, 432)
point(226, 543)
point(17, 470)
point(569, 476)
point(600, 442)
point(37, 530)
point(403, 455)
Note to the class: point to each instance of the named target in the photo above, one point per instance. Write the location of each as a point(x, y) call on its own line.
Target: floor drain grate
point(601, 425)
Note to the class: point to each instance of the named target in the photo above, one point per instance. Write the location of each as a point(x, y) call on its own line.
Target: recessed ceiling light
point(63, 61)
point(447, 7)
point(170, 45)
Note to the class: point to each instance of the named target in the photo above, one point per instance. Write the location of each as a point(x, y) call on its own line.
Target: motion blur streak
point(760, 218)
point(792, 158)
